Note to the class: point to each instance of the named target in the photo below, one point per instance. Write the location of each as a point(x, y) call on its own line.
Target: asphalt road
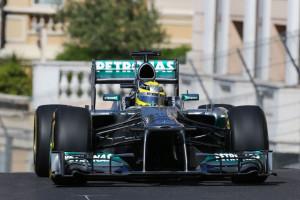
point(26, 186)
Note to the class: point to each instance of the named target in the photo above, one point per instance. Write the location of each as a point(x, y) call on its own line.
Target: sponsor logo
point(75, 159)
point(128, 66)
point(102, 157)
point(105, 157)
point(190, 97)
point(234, 157)
point(226, 156)
point(111, 97)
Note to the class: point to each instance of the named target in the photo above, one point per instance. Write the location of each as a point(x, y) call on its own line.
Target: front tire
point(71, 133)
point(42, 134)
point(248, 133)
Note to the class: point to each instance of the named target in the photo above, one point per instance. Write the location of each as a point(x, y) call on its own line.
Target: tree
point(13, 78)
point(100, 28)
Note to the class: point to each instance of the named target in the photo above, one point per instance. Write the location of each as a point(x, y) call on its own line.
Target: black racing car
point(129, 142)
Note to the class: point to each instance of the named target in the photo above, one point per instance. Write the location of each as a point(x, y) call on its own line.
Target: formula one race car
point(148, 135)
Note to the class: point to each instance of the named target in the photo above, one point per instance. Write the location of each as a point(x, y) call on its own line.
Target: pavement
point(30, 187)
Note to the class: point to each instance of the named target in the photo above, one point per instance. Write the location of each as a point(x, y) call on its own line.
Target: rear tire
point(42, 134)
point(71, 133)
point(248, 133)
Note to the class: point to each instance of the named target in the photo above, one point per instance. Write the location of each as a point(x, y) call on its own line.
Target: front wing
point(106, 166)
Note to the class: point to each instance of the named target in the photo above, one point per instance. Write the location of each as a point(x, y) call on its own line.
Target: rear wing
point(125, 71)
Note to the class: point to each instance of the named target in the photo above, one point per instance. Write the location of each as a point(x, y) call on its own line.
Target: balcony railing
point(38, 21)
point(39, 17)
point(66, 82)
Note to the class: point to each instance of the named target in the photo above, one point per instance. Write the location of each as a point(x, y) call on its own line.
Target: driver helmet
point(150, 93)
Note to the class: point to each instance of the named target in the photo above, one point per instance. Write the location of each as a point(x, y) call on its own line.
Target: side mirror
point(190, 97)
point(111, 97)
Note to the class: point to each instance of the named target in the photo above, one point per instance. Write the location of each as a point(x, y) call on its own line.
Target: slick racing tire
point(71, 133)
point(226, 106)
point(248, 133)
point(42, 134)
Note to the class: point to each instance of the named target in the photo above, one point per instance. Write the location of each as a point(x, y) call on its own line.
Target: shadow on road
point(173, 184)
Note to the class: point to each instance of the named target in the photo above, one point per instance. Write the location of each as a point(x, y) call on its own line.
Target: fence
point(16, 142)
point(16, 131)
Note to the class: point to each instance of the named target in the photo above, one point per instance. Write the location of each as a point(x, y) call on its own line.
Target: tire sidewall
point(41, 138)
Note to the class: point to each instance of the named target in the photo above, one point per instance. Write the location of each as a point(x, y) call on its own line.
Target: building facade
point(260, 28)
point(23, 21)
point(247, 52)
point(28, 25)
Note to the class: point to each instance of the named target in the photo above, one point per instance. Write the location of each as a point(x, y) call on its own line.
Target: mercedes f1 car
point(130, 142)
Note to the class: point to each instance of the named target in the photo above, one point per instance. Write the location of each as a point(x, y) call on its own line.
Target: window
point(49, 2)
point(239, 28)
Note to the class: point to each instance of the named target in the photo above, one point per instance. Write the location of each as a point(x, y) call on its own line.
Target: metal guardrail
point(13, 137)
point(17, 133)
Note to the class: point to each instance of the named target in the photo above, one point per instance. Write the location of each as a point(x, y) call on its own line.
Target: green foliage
point(175, 53)
point(100, 28)
point(72, 52)
point(13, 78)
